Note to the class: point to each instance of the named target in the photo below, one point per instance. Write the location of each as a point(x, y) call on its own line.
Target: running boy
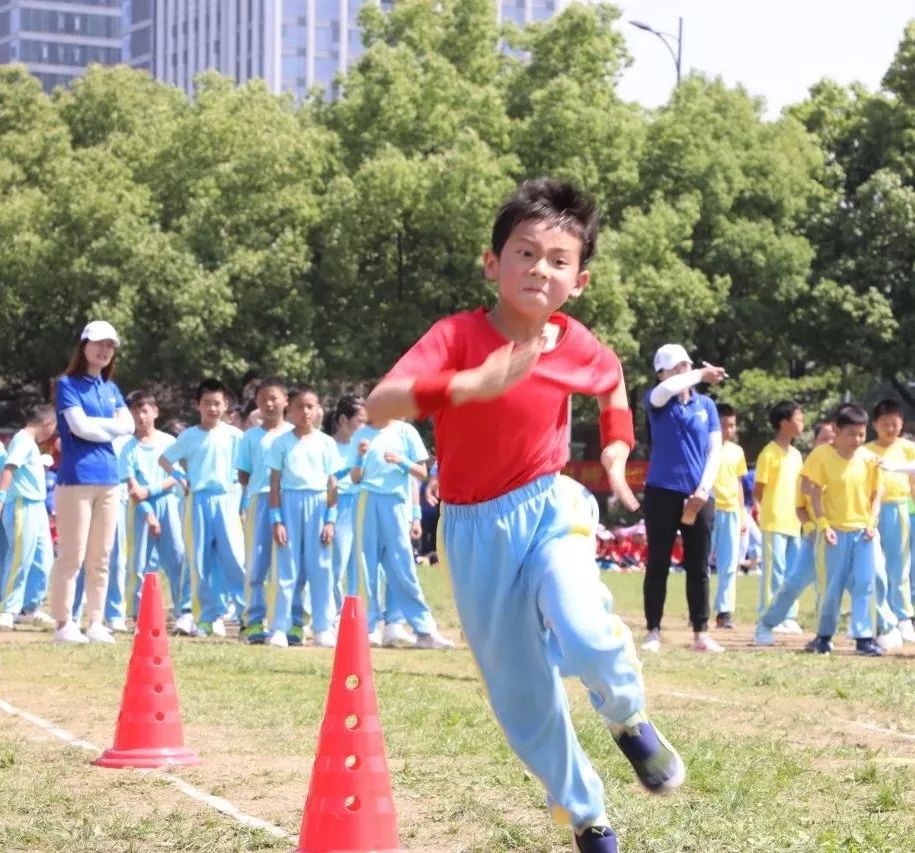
point(895, 591)
point(254, 475)
point(729, 516)
point(154, 518)
point(214, 539)
point(778, 467)
point(23, 514)
point(844, 483)
point(303, 499)
point(516, 537)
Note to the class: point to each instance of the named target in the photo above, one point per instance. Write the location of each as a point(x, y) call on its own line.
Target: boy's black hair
point(141, 397)
point(887, 407)
point(783, 410)
point(726, 410)
point(851, 414)
point(555, 202)
point(213, 386)
point(295, 393)
point(270, 382)
point(39, 413)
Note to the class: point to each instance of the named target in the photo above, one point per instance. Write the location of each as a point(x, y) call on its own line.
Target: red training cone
point(350, 807)
point(148, 732)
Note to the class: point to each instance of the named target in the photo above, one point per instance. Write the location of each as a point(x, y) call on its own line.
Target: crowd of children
point(269, 527)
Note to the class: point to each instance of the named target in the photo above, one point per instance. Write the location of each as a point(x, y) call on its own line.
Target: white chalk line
point(218, 803)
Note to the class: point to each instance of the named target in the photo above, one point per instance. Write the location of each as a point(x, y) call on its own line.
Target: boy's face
point(46, 429)
point(792, 427)
point(144, 417)
point(303, 410)
point(849, 438)
point(271, 402)
point(889, 427)
point(728, 427)
point(537, 270)
point(826, 435)
point(211, 406)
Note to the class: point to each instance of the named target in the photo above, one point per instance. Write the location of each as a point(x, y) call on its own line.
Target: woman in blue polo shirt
point(682, 466)
point(90, 413)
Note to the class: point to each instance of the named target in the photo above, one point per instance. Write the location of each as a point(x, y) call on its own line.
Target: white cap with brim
point(100, 330)
point(669, 356)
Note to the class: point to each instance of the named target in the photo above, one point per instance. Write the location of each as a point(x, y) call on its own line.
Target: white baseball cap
point(100, 330)
point(669, 356)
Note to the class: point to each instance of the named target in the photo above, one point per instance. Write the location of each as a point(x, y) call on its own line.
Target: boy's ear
point(581, 282)
point(491, 265)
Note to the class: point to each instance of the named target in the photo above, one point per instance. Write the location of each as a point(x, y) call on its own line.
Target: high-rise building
point(57, 39)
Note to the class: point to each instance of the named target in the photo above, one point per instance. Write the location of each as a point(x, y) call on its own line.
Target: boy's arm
point(276, 514)
point(330, 514)
point(6, 478)
point(617, 438)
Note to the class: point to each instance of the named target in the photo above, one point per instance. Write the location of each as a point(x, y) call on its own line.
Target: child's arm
point(876, 498)
point(816, 498)
point(355, 473)
point(244, 478)
point(276, 514)
point(416, 512)
point(415, 469)
point(330, 517)
point(6, 478)
point(618, 438)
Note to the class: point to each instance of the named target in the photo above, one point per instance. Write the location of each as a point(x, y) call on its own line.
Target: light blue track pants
point(346, 576)
point(726, 548)
point(532, 608)
point(304, 559)
point(778, 553)
point(165, 552)
point(383, 541)
point(801, 573)
point(849, 564)
point(894, 540)
point(215, 546)
point(260, 567)
point(28, 557)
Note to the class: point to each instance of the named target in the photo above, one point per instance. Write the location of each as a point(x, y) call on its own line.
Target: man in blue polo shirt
point(685, 454)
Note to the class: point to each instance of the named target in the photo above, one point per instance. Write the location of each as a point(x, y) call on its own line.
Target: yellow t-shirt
point(847, 485)
point(778, 471)
point(728, 490)
point(896, 486)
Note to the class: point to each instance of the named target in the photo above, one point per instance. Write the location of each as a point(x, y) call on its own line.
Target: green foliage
point(239, 233)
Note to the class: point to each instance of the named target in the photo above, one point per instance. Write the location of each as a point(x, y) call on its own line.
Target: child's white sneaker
point(433, 641)
point(395, 636)
point(375, 638)
point(7, 620)
point(907, 630)
point(42, 620)
point(219, 628)
point(70, 633)
point(118, 625)
point(789, 626)
point(763, 635)
point(278, 640)
point(325, 639)
point(890, 641)
point(184, 625)
point(705, 643)
point(98, 633)
point(652, 642)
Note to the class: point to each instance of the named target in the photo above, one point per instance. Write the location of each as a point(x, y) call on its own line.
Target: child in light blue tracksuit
point(154, 525)
point(214, 539)
point(22, 513)
point(271, 398)
point(303, 511)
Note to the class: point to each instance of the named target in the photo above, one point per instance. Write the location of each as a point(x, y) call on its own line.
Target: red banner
point(592, 475)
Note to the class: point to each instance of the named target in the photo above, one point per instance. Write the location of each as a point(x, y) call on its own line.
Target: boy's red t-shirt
point(491, 447)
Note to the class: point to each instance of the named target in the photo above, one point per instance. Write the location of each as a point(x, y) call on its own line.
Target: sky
point(774, 48)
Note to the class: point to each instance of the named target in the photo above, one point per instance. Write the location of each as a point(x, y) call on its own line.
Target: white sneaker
point(42, 620)
point(907, 630)
point(7, 620)
point(70, 633)
point(433, 641)
point(396, 636)
point(375, 638)
point(763, 635)
point(652, 642)
point(98, 633)
point(118, 625)
point(325, 639)
point(705, 643)
point(278, 640)
point(219, 628)
point(890, 641)
point(184, 625)
point(781, 628)
point(791, 627)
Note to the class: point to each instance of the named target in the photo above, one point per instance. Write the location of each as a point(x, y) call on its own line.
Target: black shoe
point(724, 620)
point(868, 646)
point(596, 839)
point(822, 645)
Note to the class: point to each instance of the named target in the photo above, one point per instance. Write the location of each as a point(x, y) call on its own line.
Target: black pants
point(663, 509)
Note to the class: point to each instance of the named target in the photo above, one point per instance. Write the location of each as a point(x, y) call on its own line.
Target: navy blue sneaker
point(822, 645)
point(656, 763)
point(868, 646)
point(596, 839)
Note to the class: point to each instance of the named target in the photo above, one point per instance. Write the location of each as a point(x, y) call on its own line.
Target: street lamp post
point(678, 56)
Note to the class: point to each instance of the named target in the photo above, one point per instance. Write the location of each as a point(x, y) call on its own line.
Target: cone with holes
point(148, 732)
point(350, 807)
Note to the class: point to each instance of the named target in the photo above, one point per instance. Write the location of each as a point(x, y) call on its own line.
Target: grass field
point(786, 751)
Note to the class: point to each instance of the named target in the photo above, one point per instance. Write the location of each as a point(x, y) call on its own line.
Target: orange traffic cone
point(350, 807)
point(148, 731)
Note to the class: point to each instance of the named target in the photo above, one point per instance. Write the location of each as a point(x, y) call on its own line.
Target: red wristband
point(431, 393)
point(616, 425)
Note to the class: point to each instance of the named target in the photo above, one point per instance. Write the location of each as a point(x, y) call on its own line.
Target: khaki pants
point(87, 518)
